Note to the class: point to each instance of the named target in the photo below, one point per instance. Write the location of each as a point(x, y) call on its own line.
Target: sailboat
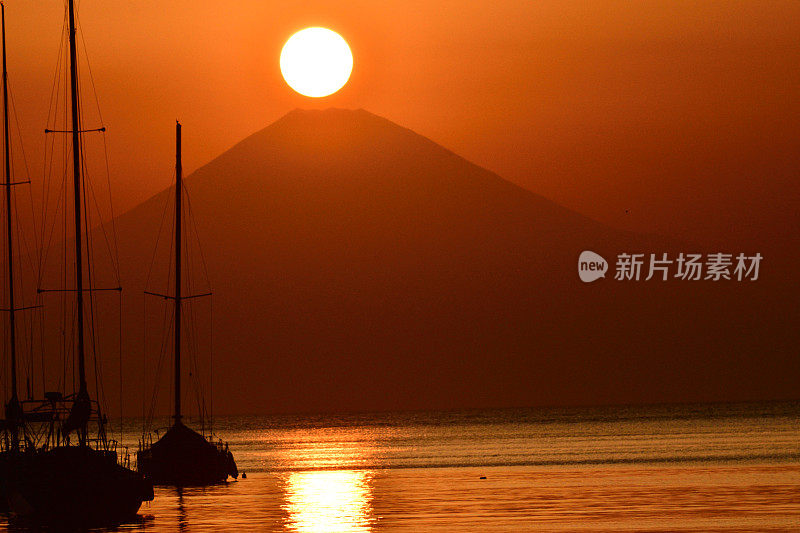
point(183, 456)
point(51, 478)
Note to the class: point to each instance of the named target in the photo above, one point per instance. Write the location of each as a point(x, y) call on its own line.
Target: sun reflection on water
point(328, 501)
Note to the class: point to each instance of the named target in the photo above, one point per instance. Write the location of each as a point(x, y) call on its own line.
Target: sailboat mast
point(76, 174)
point(7, 146)
point(178, 187)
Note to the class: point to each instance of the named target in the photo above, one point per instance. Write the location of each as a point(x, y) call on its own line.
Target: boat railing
point(217, 442)
point(150, 436)
point(124, 459)
point(146, 441)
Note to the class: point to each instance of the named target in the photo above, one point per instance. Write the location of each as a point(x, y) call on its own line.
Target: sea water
point(701, 468)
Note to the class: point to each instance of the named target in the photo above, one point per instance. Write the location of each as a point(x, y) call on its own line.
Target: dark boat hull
point(182, 457)
point(208, 471)
point(5, 458)
point(75, 485)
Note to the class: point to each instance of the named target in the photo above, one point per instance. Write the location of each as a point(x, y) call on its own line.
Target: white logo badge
point(591, 266)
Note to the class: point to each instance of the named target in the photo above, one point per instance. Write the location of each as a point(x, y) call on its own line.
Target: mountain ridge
point(357, 265)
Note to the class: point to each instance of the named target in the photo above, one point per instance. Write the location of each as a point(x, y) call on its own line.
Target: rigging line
point(159, 367)
point(19, 133)
point(96, 289)
point(68, 378)
point(197, 237)
point(41, 342)
point(191, 325)
point(26, 324)
point(192, 354)
point(6, 346)
point(6, 266)
point(69, 345)
point(89, 69)
point(170, 268)
point(27, 174)
point(48, 167)
point(211, 367)
point(196, 354)
point(28, 321)
point(45, 201)
point(119, 351)
point(144, 367)
point(166, 329)
point(158, 239)
point(101, 223)
point(58, 70)
point(64, 313)
point(113, 217)
point(53, 114)
point(46, 245)
point(19, 248)
point(167, 320)
point(160, 362)
point(49, 156)
point(190, 322)
point(202, 378)
point(24, 251)
point(90, 278)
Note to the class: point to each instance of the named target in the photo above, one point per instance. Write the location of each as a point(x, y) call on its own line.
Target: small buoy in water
point(244, 476)
point(483, 477)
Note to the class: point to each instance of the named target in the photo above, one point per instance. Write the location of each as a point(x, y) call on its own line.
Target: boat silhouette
point(182, 456)
point(61, 467)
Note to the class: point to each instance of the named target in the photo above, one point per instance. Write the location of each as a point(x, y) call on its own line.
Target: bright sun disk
point(316, 62)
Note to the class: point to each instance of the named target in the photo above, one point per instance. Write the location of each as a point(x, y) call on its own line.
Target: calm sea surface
point(704, 468)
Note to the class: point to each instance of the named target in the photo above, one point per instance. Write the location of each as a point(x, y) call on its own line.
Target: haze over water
point(660, 468)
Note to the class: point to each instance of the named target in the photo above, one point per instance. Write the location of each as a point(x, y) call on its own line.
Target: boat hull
point(182, 457)
point(5, 458)
point(74, 485)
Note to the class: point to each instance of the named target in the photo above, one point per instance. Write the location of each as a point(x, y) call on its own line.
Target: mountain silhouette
point(357, 265)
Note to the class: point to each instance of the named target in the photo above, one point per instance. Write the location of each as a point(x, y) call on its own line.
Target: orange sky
point(684, 113)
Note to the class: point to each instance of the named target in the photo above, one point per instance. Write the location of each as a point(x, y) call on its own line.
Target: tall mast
point(7, 147)
point(76, 175)
point(178, 187)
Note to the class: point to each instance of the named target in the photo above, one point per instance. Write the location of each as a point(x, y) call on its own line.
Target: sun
point(316, 62)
